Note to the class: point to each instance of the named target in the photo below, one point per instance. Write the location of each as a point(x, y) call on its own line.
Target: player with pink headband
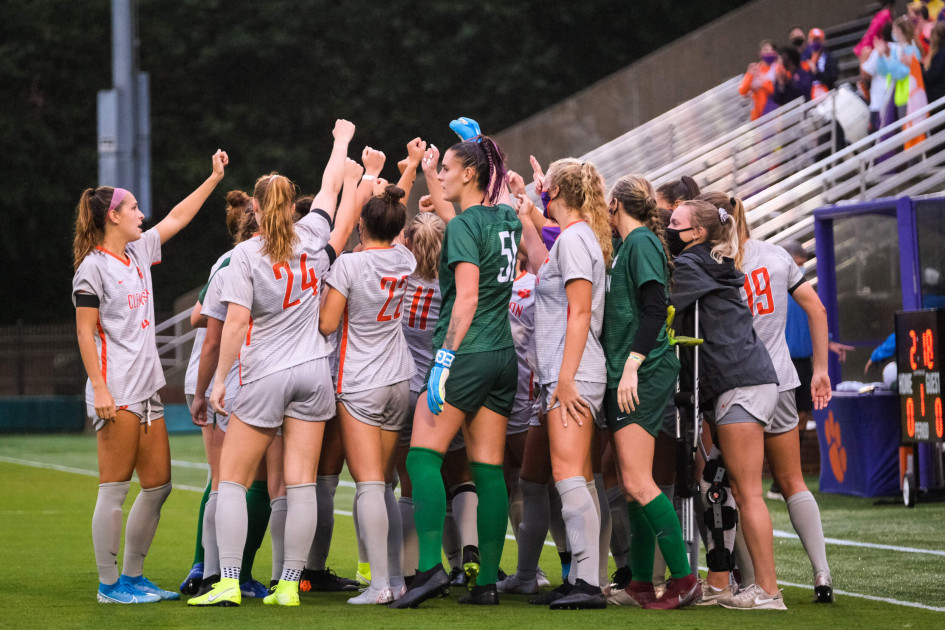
point(114, 302)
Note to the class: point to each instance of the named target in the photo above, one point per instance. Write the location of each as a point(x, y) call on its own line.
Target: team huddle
point(507, 364)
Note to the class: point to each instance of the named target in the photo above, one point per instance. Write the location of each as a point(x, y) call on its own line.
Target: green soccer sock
point(198, 548)
point(662, 518)
point(491, 518)
point(642, 543)
point(429, 503)
point(258, 509)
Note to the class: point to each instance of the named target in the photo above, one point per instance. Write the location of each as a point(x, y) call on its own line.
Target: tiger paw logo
point(837, 454)
point(524, 293)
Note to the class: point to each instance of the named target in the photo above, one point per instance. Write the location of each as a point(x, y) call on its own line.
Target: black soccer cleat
point(485, 595)
point(552, 596)
point(326, 581)
point(426, 585)
point(583, 596)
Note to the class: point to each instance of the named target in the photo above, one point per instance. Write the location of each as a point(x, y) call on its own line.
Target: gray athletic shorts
point(146, 410)
point(458, 441)
point(521, 419)
point(302, 391)
point(593, 393)
point(384, 407)
point(785, 414)
point(757, 404)
point(215, 419)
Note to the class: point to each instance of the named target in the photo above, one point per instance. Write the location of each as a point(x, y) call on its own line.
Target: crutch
point(687, 439)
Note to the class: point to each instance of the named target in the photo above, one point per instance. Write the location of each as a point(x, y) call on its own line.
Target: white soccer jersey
point(770, 275)
point(522, 321)
point(575, 255)
point(422, 306)
point(190, 378)
point(125, 342)
point(215, 307)
point(373, 351)
point(282, 299)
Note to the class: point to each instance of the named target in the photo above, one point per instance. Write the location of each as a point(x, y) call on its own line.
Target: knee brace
point(721, 517)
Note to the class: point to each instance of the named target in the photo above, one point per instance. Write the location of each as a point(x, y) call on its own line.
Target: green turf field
point(49, 580)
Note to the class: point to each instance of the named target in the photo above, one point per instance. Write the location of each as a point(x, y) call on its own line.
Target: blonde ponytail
point(736, 209)
point(582, 188)
point(275, 195)
point(424, 236)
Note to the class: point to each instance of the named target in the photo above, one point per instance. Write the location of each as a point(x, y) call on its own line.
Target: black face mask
point(675, 244)
point(797, 42)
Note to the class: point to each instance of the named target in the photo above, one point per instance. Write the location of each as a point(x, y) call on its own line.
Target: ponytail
point(90, 221)
point(424, 235)
point(240, 219)
point(635, 195)
point(721, 231)
point(736, 209)
point(275, 195)
point(483, 155)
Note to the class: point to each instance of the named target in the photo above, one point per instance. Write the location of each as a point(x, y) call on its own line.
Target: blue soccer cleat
point(254, 589)
point(465, 128)
point(144, 585)
point(120, 593)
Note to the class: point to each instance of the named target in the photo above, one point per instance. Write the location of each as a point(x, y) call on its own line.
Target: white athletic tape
point(778, 533)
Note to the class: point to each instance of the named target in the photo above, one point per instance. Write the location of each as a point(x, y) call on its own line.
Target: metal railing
point(175, 340)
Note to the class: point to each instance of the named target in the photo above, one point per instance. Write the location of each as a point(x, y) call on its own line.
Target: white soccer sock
point(598, 495)
point(465, 507)
point(277, 518)
point(805, 517)
point(325, 486)
point(106, 528)
point(211, 554)
point(533, 528)
point(583, 523)
point(142, 524)
point(411, 549)
point(374, 527)
point(232, 521)
point(515, 502)
point(300, 523)
point(395, 537)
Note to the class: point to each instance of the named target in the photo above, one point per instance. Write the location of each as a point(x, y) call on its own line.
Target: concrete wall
point(660, 81)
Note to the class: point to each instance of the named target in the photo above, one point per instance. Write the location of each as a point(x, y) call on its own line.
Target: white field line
point(778, 533)
point(888, 600)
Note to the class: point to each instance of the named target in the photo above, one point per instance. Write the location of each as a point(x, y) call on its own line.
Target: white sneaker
point(620, 597)
point(753, 598)
point(373, 595)
point(710, 595)
point(543, 580)
point(514, 584)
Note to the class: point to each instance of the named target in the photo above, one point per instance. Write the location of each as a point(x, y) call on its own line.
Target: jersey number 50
point(510, 251)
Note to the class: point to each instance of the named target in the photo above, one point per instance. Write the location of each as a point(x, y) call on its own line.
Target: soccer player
point(472, 382)
point(272, 323)
point(114, 302)
point(770, 276)
point(641, 380)
point(423, 236)
point(572, 376)
point(208, 316)
point(367, 290)
point(735, 376)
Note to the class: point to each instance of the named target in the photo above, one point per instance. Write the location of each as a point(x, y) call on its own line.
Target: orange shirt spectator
point(760, 80)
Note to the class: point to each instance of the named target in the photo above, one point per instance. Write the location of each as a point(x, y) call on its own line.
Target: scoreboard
point(919, 347)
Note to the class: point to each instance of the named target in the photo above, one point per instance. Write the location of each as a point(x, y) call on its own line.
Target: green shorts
point(655, 388)
point(482, 379)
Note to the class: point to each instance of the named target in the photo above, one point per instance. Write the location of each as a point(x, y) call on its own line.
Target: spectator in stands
point(879, 92)
point(793, 79)
point(759, 80)
point(820, 63)
point(933, 70)
point(798, 39)
point(919, 14)
point(901, 61)
point(884, 16)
